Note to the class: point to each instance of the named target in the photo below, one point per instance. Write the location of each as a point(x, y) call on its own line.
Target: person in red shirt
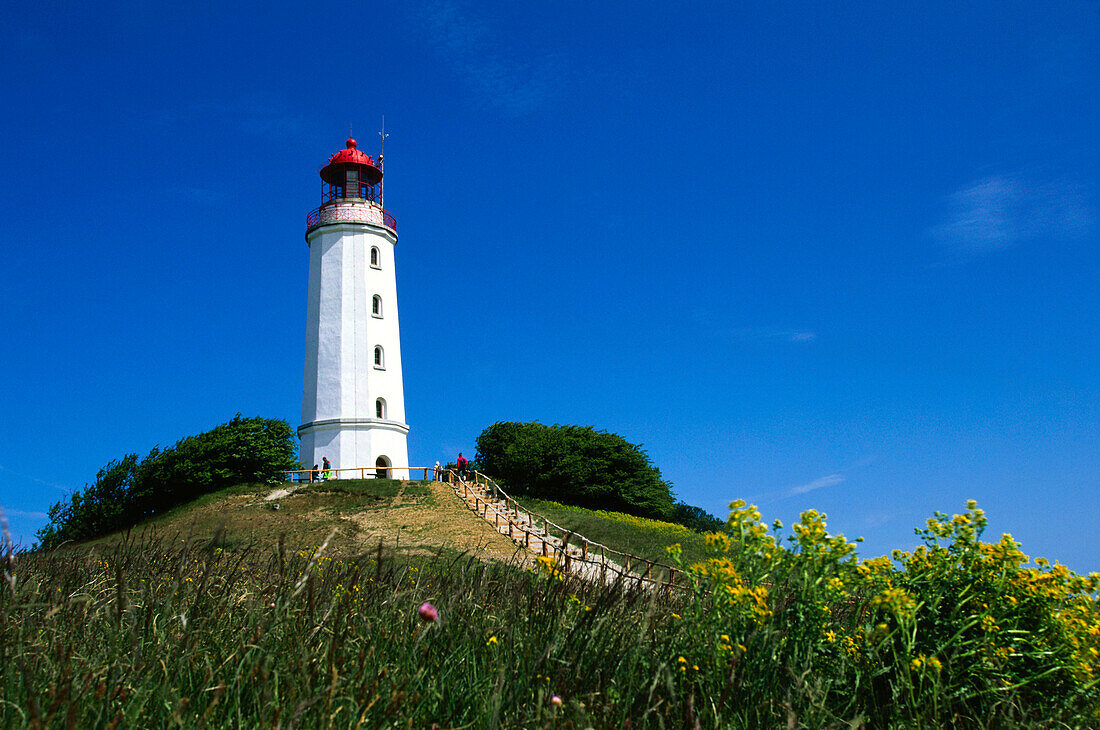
point(461, 464)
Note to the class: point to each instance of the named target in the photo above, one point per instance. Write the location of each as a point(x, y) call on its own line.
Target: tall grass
point(199, 636)
point(639, 536)
point(147, 634)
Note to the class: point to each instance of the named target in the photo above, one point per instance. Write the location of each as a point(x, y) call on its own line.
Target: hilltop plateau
point(410, 517)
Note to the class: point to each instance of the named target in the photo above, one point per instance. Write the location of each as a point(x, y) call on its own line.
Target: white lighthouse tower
point(353, 402)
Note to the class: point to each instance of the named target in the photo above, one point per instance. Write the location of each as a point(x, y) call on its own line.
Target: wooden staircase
point(572, 553)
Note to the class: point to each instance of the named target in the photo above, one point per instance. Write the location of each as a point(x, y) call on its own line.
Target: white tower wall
point(342, 381)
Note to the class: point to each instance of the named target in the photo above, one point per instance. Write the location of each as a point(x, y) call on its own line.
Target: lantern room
point(350, 173)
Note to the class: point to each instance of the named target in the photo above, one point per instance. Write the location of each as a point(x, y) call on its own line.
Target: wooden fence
point(585, 551)
point(542, 529)
point(303, 476)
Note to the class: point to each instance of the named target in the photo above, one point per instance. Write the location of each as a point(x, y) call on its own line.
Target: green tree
point(127, 491)
point(100, 508)
point(575, 464)
point(696, 518)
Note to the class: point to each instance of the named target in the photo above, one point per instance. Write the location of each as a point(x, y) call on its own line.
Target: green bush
point(956, 633)
point(764, 633)
point(695, 518)
point(574, 464)
point(127, 491)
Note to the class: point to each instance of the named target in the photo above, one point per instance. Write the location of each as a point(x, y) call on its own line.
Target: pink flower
point(428, 612)
point(555, 700)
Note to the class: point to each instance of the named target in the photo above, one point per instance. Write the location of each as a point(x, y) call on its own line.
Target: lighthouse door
point(382, 471)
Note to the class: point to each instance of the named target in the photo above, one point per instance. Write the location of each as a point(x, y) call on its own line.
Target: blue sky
point(841, 257)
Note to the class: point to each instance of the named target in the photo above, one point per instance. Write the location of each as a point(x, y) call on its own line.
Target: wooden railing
point(590, 552)
point(628, 567)
point(305, 476)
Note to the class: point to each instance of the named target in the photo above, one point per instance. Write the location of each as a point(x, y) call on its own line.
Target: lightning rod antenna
point(381, 153)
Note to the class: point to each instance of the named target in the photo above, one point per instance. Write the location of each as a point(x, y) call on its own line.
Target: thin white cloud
point(830, 480)
point(771, 333)
point(1000, 211)
point(877, 519)
point(515, 83)
point(23, 513)
point(20, 475)
point(265, 116)
point(799, 336)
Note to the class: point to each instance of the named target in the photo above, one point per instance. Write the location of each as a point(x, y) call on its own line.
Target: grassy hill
point(221, 613)
point(411, 517)
point(638, 536)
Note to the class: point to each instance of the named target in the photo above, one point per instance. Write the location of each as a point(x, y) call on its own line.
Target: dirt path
point(524, 530)
point(418, 519)
point(423, 515)
point(281, 493)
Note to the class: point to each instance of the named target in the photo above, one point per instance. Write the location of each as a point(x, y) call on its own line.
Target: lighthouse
point(353, 403)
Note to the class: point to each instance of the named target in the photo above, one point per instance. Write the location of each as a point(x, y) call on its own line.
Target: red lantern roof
point(334, 172)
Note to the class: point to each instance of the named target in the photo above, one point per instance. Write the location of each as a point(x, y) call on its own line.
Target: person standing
point(314, 474)
point(438, 471)
point(461, 464)
point(326, 467)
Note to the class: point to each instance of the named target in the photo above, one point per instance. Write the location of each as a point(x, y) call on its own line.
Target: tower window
point(379, 358)
point(376, 307)
point(380, 408)
point(375, 258)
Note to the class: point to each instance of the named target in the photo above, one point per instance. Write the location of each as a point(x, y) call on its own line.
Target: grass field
point(152, 630)
point(408, 516)
point(639, 536)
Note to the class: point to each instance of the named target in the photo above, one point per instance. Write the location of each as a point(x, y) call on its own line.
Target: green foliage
point(640, 536)
point(102, 506)
point(957, 633)
point(574, 464)
point(127, 491)
point(695, 518)
point(151, 635)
